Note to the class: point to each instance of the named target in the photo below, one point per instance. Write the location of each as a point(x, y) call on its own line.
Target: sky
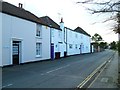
point(73, 14)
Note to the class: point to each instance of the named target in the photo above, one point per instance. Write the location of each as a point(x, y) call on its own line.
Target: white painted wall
point(57, 39)
point(45, 40)
point(73, 40)
point(25, 31)
point(77, 39)
point(0, 39)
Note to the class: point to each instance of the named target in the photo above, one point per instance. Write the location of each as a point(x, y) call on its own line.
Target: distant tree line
point(98, 42)
point(114, 45)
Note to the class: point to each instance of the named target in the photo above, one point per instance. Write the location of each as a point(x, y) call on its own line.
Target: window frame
point(38, 30)
point(76, 46)
point(70, 46)
point(39, 49)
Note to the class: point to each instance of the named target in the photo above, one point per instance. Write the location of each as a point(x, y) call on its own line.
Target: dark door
point(52, 51)
point(15, 52)
point(80, 49)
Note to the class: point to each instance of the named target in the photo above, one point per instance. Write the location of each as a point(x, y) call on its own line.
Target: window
point(70, 34)
point(38, 31)
point(56, 46)
point(38, 49)
point(59, 33)
point(52, 32)
point(81, 36)
point(76, 35)
point(70, 45)
point(76, 46)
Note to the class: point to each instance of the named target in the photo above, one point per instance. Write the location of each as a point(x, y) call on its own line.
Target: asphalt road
point(61, 73)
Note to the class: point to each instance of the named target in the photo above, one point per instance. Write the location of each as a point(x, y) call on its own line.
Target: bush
point(119, 47)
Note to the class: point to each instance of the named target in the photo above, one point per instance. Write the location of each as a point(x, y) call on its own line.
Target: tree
point(103, 45)
point(107, 6)
point(113, 45)
point(117, 26)
point(96, 38)
point(118, 45)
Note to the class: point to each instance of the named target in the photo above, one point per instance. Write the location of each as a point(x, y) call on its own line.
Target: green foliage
point(113, 45)
point(96, 38)
point(118, 47)
point(103, 45)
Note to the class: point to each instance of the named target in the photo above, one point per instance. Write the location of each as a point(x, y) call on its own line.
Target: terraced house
point(77, 41)
point(25, 38)
point(28, 38)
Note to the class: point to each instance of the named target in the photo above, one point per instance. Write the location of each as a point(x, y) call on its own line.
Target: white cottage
point(77, 41)
point(85, 40)
point(23, 37)
point(56, 37)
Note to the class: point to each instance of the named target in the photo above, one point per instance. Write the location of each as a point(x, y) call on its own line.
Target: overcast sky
point(73, 14)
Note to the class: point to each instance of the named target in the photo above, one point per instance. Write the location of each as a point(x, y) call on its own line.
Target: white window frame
point(38, 49)
point(39, 30)
point(76, 46)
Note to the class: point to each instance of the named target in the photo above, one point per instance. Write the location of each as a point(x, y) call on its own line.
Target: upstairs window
point(59, 33)
point(38, 30)
point(52, 32)
point(76, 35)
point(70, 46)
point(81, 36)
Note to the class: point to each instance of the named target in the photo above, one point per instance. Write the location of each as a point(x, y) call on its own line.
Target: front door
point(52, 51)
point(80, 49)
point(16, 47)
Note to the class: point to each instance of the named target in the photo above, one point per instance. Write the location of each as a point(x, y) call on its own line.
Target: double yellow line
point(91, 75)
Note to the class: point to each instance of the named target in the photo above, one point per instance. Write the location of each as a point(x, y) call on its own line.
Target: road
point(61, 73)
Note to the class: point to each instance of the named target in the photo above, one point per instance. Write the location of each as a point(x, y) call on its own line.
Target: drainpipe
point(52, 58)
point(66, 42)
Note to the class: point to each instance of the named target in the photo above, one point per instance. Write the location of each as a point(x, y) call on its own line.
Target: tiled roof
point(49, 22)
point(19, 12)
point(80, 30)
point(69, 28)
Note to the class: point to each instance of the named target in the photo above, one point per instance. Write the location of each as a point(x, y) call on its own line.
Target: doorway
point(16, 52)
point(52, 51)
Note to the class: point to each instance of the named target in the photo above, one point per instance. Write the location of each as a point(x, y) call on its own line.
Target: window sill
point(38, 56)
point(38, 37)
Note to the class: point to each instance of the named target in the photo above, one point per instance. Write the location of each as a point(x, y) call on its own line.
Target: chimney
point(20, 5)
point(62, 24)
point(61, 20)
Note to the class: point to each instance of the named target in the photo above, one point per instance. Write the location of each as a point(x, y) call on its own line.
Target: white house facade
point(57, 41)
point(24, 38)
point(77, 42)
point(0, 39)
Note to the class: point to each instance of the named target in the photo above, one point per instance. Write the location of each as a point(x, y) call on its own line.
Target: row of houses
point(24, 37)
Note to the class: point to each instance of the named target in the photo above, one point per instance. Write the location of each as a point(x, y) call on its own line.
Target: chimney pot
point(20, 5)
point(61, 20)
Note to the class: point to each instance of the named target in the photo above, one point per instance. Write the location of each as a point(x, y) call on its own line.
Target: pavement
point(108, 78)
